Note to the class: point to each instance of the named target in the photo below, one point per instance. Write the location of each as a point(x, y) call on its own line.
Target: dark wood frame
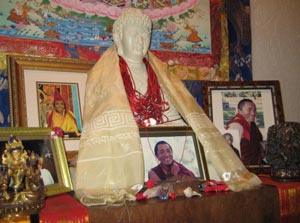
point(16, 68)
point(272, 85)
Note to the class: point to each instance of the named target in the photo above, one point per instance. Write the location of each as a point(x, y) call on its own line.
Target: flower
point(140, 196)
point(172, 195)
point(58, 131)
point(150, 183)
point(214, 186)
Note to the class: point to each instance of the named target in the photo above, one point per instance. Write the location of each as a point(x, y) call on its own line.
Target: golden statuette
point(22, 188)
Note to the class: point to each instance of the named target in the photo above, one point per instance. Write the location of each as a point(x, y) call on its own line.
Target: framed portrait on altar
point(186, 149)
point(49, 94)
point(221, 101)
point(49, 152)
point(33, 82)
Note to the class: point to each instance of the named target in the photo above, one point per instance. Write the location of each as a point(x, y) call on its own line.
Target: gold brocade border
point(289, 199)
point(3, 63)
point(20, 219)
point(3, 59)
point(289, 196)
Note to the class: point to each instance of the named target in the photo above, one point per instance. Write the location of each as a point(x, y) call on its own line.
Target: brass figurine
point(22, 188)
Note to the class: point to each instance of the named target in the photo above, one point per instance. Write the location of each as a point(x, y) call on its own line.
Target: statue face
point(16, 154)
point(135, 41)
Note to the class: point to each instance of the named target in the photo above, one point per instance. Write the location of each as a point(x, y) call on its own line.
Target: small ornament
point(22, 189)
point(172, 195)
point(188, 192)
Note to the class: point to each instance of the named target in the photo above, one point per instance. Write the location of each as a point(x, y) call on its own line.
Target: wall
point(275, 28)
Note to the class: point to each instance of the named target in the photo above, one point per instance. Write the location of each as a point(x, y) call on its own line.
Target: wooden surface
point(259, 205)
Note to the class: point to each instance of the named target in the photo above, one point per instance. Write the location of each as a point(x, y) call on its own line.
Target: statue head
point(14, 144)
point(132, 33)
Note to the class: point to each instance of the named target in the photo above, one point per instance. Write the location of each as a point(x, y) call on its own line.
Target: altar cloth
point(289, 198)
point(63, 209)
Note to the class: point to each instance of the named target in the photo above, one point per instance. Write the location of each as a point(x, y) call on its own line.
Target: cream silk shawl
point(110, 166)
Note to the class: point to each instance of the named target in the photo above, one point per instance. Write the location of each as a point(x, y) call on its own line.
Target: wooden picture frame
point(187, 150)
point(24, 74)
point(220, 101)
point(25, 71)
point(50, 149)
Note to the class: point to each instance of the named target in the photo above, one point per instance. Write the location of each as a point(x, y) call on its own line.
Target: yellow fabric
point(110, 159)
point(228, 166)
point(222, 71)
point(67, 122)
point(110, 162)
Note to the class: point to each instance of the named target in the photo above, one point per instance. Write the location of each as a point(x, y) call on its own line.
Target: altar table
point(273, 202)
point(258, 205)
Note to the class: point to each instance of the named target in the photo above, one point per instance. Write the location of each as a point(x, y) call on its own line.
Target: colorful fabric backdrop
point(180, 27)
point(191, 36)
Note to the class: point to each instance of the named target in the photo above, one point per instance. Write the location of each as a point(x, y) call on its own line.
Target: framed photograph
point(34, 82)
point(50, 151)
point(221, 99)
point(49, 96)
point(186, 149)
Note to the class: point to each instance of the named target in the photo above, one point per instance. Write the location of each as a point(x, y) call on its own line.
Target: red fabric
point(289, 197)
point(238, 118)
point(57, 96)
point(49, 48)
point(63, 208)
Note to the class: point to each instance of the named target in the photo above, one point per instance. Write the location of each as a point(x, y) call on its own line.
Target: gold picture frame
point(187, 150)
point(50, 149)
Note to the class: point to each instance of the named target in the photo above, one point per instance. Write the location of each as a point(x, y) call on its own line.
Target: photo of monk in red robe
point(62, 117)
point(251, 139)
point(167, 167)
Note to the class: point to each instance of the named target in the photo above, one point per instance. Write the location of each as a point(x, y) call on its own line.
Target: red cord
point(147, 106)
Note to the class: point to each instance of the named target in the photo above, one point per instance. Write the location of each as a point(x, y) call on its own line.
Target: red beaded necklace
point(150, 105)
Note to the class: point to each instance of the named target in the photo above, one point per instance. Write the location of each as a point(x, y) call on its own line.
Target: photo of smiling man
point(251, 139)
point(167, 167)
